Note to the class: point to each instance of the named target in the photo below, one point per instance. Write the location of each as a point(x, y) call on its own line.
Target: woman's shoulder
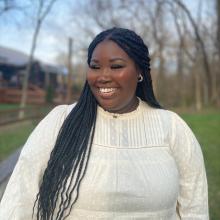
point(71, 107)
point(60, 110)
point(45, 133)
point(174, 120)
point(170, 120)
point(164, 114)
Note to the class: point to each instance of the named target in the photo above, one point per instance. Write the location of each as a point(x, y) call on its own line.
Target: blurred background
point(43, 53)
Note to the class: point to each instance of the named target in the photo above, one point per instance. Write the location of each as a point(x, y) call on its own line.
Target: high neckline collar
point(121, 115)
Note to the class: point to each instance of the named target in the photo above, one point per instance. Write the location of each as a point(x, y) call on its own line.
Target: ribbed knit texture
point(144, 165)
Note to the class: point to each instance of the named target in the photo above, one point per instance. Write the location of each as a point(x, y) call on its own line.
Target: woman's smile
point(107, 92)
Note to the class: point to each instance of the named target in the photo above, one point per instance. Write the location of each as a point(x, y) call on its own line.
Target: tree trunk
point(218, 26)
point(69, 83)
point(217, 74)
point(28, 70)
point(41, 14)
point(180, 72)
point(208, 74)
point(198, 99)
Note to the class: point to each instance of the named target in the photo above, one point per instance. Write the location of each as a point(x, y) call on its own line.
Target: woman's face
point(112, 76)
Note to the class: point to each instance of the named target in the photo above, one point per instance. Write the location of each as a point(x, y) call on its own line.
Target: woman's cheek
point(91, 77)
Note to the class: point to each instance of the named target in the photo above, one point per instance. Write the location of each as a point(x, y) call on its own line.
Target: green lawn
point(207, 130)
point(8, 106)
point(14, 136)
point(11, 106)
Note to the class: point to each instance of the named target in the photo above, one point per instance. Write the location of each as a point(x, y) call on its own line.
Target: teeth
point(106, 90)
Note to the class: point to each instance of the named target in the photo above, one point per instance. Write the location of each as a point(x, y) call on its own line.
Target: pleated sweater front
point(144, 165)
point(136, 167)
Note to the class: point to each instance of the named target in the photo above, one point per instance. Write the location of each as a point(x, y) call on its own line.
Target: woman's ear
point(140, 78)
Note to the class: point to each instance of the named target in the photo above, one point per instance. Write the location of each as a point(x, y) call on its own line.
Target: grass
point(8, 106)
point(14, 136)
point(207, 130)
point(11, 106)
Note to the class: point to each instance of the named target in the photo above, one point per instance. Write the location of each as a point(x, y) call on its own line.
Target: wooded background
point(183, 39)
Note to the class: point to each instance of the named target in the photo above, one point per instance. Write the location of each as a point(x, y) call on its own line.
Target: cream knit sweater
point(144, 165)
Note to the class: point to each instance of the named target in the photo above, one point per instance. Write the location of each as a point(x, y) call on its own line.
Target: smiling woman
point(115, 154)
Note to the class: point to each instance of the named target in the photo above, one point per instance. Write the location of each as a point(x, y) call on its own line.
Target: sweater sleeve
point(18, 200)
point(192, 201)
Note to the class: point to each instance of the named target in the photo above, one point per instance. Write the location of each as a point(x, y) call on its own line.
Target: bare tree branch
point(41, 15)
point(9, 5)
point(202, 45)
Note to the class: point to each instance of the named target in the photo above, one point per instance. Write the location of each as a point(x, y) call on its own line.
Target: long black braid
point(69, 158)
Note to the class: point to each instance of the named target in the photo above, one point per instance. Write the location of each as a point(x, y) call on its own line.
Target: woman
point(116, 154)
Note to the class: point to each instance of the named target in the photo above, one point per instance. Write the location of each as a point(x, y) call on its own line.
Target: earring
point(140, 78)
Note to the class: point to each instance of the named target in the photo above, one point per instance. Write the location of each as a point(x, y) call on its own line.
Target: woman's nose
point(106, 72)
point(104, 79)
point(105, 76)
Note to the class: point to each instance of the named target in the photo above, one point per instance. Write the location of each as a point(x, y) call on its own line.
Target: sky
point(16, 30)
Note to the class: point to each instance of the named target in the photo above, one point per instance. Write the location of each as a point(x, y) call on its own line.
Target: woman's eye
point(94, 66)
point(117, 66)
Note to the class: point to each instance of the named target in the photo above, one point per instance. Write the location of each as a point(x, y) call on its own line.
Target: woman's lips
point(107, 92)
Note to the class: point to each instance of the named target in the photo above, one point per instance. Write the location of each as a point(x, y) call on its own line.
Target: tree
point(218, 26)
point(180, 52)
point(6, 5)
point(43, 9)
point(201, 44)
point(157, 18)
point(218, 44)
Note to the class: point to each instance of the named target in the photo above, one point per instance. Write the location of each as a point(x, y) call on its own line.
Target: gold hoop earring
point(140, 78)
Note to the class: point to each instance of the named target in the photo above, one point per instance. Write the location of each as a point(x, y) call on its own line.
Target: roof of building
point(12, 57)
point(57, 69)
point(17, 58)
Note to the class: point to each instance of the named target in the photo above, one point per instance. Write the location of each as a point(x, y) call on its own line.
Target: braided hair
point(69, 158)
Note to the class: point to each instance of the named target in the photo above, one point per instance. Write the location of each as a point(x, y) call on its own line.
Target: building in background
point(43, 78)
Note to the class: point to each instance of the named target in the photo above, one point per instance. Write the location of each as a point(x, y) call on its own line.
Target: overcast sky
point(16, 30)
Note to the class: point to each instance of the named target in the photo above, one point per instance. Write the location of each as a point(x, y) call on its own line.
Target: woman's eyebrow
point(111, 60)
point(94, 60)
point(117, 58)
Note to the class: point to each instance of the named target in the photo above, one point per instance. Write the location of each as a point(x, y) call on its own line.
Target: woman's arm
point(193, 194)
point(18, 200)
